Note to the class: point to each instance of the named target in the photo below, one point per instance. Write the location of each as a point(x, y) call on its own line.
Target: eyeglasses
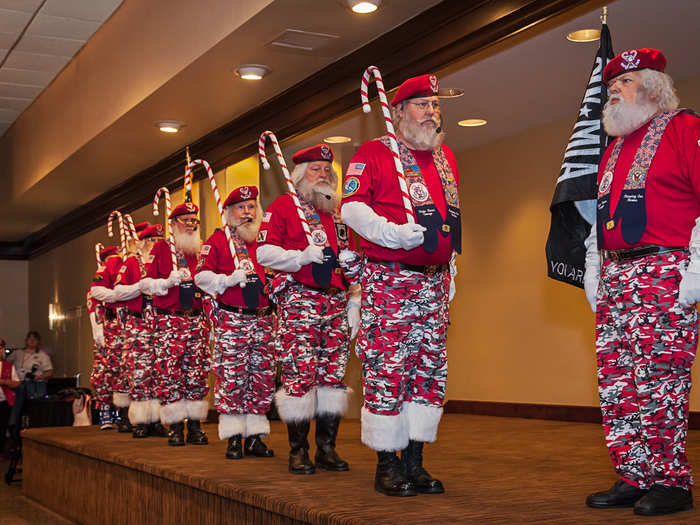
point(188, 222)
point(423, 106)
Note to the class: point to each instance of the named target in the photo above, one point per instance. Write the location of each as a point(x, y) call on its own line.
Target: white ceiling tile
point(13, 21)
point(8, 114)
point(18, 104)
point(45, 45)
point(25, 76)
point(56, 26)
point(47, 63)
point(95, 10)
point(19, 91)
point(7, 40)
point(4, 126)
point(28, 6)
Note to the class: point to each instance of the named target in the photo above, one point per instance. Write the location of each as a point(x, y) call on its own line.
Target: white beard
point(621, 119)
point(187, 243)
point(322, 195)
point(248, 231)
point(420, 137)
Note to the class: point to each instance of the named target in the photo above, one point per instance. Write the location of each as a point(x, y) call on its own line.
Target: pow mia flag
point(573, 206)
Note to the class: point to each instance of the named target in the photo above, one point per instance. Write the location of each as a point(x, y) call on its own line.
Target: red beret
point(422, 86)
point(155, 230)
point(184, 209)
point(244, 193)
point(141, 226)
point(106, 252)
point(317, 152)
point(633, 60)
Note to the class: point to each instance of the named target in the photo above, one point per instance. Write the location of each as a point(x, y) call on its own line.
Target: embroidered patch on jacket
point(352, 184)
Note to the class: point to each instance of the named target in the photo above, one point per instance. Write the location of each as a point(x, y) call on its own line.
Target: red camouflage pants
point(243, 362)
point(313, 343)
point(402, 339)
point(182, 358)
point(111, 356)
point(645, 343)
point(140, 358)
point(100, 379)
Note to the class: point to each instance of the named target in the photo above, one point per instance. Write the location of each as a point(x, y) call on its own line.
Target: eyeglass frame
point(423, 106)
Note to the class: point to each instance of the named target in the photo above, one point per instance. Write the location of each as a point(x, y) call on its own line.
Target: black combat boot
point(158, 430)
point(390, 479)
point(299, 461)
point(234, 450)
point(254, 446)
point(412, 458)
point(124, 425)
point(664, 500)
point(141, 431)
point(176, 436)
point(622, 494)
point(195, 434)
point(326, 456)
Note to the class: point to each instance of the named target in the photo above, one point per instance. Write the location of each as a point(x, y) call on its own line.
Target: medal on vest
point(254, 287)
point(187, 288)
point(323, 273)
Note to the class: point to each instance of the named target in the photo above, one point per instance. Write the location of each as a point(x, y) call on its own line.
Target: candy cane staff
point(139, 351)
point(242, 319)
point(182, 354)
point(100, 377)
point(406, 279)
point(313, 339)
point(113, 327)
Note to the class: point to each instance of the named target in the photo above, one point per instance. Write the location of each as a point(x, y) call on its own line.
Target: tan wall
point(14, 309)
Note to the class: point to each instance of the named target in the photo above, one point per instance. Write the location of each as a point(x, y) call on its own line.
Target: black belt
point(110, 315)
point(181, 313)
point(257, 312)
point(639, 252)
point(134, 314)
point(428, 269)
point(327, 291)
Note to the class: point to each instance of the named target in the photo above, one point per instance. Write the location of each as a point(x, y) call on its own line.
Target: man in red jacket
point(645, 294)
point(182, 354)
point(313, 343)
point(242, 318)
point(406, 284)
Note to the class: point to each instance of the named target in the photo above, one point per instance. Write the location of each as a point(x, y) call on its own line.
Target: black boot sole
point(403, 494)
point(176, 444)
point(198, 442)
point(234, 457)
point(616, 506)
point(432, 490)
point(303, 472)
point(332, 469)
point(253, 455)
point(640, 512)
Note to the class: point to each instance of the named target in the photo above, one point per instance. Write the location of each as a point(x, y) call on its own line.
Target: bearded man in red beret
point(316, 318)
point(644, 295)
point(406, 284)
point(243, 323)
point(180, 333)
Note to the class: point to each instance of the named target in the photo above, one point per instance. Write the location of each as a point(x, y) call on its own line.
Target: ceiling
point(67, 149)
point(37, 39)
point(538, 76)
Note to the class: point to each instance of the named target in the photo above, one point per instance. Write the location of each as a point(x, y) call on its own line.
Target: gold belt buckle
point(446, 228)
point(431, 269)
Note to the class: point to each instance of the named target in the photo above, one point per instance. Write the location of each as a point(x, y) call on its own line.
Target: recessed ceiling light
point(252, 71)
point(361, 7)
point(471, 122)
point(450, 92)
point(337, 139)
point(584, 35)
point(169, 126)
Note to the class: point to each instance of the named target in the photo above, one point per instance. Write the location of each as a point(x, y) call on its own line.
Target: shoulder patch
point(352, 184)
point(356, 168)
point(267, 216)
point(262, 236)
point(205, 249)
point(150, 259)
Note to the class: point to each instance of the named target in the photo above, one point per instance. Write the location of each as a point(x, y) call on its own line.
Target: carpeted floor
point(495, 470)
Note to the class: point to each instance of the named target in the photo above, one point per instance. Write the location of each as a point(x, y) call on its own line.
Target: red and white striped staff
point(98, 250)
point(168, 208)
point(287, 177)
point(110, 232)
point(131, 228)
point(188, 175)
point(190, 166)
point(364, 87)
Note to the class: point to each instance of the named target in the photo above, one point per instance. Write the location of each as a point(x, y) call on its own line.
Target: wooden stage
point(495, 470)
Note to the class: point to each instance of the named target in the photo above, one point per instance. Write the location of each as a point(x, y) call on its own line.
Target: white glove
point(353, 307)
point(146, 286)
point(174, 279)
point(379, 230)
point(102, 293)
point(591, 276)
point(689, 289)
point(125, 292)
point(453, 274)
point(161, 287)
point(212, 283)
point(311, 254)
point(97, 331)
point(277, 258)
point(238, 277)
